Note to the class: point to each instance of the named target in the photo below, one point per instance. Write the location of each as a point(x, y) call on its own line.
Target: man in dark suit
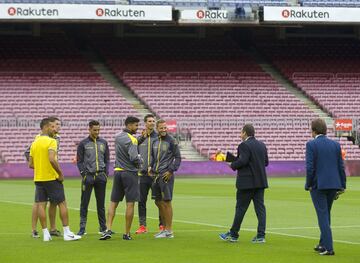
point(251, 182)
point(325, 178)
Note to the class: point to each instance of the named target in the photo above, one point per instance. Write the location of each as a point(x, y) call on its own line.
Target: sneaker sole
point(139, 233)
point(74, 238)
point(105, 238)
point(224, 239)
point(324, 254)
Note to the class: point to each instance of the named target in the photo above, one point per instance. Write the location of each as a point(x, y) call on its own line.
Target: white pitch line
point(308, 237)
point(221, 226)
point(308, 227)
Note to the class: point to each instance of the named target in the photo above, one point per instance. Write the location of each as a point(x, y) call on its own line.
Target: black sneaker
point(35, 234)
point(127, 237)
point(319, 248)
point(55, 233)
point(81, 232)
point(327, 253)
point(106, 235)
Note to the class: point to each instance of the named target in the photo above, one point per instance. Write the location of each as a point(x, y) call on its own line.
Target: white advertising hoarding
point(204, 16)
point(85, 12)
point(311, 14)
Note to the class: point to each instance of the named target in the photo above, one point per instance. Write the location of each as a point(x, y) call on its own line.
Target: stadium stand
point(177, 3)
point(326, 70)
point(331, 3)
point(211, 3)
point(89, 2)
point(212, 84)
point(42, 79)
point(211, 87)
point(332, 75)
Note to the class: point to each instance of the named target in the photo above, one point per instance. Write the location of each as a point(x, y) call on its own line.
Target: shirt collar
point(91, 139)
point(128, 131)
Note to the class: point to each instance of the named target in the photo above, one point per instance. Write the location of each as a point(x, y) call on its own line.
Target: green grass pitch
point(203, 208)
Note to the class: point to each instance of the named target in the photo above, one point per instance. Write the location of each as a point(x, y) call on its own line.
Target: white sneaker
point(47, 238)
point(159, 234)
point(165, 234)
point(71, 237)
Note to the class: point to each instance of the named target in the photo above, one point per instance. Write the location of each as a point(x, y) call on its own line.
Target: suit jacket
point(250, 164)
point(324, 164)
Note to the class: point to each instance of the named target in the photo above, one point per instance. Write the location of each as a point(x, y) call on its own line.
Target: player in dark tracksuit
point(126, 181)
point(166, 160)
point(145, 141)
point(93, 159)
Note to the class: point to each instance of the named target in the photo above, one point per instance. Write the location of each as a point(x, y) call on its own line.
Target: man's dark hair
point(319, 126)
point(53, 118)
point(148, 116)
point(93, 123)
point(44, 122)
point(249, 130)
point(130, 120)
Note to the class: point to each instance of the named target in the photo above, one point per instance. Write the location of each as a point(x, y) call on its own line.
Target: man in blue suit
point(251, 182)
point(325, 177)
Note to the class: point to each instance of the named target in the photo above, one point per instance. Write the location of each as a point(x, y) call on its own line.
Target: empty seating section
point(210, 86)
point(54, 88)
point(328, 71)
point(220, 98)
point(89, 2)
point(197, 3)
point(73, 97)
point(176, 3)
point(215, 94)
point(180, 82)
point(55, 54)
point(330, 3)
point(340, 95)
point(211, 3)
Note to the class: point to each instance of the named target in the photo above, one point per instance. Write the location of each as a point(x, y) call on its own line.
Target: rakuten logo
point(99, 12)
point(11, 11)
point(212, 14)
point(119, 13)
point(304, 14)
point(285, 13)
point(34, 12)
point(200, 14)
